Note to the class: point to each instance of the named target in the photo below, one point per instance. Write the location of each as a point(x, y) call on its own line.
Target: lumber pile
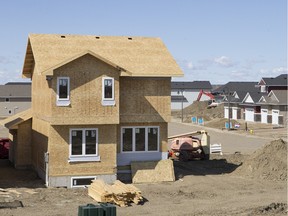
point(118, 193)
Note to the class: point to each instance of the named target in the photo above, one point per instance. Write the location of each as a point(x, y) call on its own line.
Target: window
point(140, 139)
point(63, 91)
point(84, 145)
point(7, 99)
point(108, 91)
point(82, 181)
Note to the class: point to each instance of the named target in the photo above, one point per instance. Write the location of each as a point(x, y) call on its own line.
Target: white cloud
point(273, 72)
point(224, 61)
point(190, 65)
point(280, 70)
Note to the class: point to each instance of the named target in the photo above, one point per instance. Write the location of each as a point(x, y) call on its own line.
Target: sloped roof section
point(13, 121)
point(281, 96)
point(238, 86)
point(140, 56)
point(191, 85)
point(280, 80)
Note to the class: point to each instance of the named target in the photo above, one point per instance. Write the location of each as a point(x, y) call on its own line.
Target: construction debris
point(118, 193)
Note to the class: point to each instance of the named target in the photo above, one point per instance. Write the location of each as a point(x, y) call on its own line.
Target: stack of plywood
point(119, 193)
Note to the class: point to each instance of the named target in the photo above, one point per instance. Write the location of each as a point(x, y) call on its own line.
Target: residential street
point(230, 140)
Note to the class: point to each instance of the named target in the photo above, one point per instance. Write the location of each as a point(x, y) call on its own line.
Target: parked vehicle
point(4, 148)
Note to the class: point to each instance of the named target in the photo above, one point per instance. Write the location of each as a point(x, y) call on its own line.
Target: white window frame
point(83, 157)
point(108, 101)
point(63, 101)
point(134, 139)
point(81, 177)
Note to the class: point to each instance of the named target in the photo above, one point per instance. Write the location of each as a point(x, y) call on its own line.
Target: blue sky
point(214, 40)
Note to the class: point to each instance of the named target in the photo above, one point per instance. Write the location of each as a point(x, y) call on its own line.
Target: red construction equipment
point(211, 96)
point(212, 102)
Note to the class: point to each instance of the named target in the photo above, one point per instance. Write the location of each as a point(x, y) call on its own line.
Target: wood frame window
point(108, 96)
point(63, 91)
point(140, 139)
point(83, 145)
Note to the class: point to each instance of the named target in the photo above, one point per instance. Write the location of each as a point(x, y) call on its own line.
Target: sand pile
point(269, 162)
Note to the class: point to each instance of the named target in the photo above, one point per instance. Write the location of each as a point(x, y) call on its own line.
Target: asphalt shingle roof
point(238, 86)
point(191, 85)
point(280, 80)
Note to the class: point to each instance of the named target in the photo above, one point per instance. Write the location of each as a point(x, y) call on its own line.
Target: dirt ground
point(214, 187)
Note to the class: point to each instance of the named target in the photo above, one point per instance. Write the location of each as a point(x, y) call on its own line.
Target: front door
point(234, 113)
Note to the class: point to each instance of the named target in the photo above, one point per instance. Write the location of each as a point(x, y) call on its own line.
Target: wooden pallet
point(118, 193)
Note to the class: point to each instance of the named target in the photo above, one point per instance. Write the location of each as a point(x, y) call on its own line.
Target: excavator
point(212, 102)
point(188, 146)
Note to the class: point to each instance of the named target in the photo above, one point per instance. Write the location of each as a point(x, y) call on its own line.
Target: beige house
point(98, 103)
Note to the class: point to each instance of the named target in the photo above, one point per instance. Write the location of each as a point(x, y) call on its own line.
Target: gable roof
point(12, 122)
point(255, 96)
point(191, 85)
point(238, 86)
point(280, 96)
point(280, 80)
point(139, 56)
point(15, 90)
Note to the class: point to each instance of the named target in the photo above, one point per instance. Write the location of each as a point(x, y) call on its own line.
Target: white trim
point(108, 101)
point(83, 157)
point(80, 177)
point(134, 139)
point(63, 101)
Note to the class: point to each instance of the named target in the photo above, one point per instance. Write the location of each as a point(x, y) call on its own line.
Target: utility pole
point(229, 110)
point(227, 92)
point(182, 106)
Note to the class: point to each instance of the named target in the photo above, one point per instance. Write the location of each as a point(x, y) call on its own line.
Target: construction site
point(238, 183)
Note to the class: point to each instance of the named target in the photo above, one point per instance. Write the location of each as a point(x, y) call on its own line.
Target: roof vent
point(129, 38)
point(97, 37)
point(63, 36)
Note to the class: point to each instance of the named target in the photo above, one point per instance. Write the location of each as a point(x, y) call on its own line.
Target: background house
point(15, 97)
point(267, 84)
point(274, 107)
point(265, 101)
point(187, 93)
point(237, 92)
point(98, 103)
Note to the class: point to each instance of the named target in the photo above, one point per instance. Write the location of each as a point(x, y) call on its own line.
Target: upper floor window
point(63, 91)
point(108, 91)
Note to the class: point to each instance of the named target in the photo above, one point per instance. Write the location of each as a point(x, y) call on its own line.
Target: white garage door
point(264, 114)
point(249, 114)
point(275, 117)
point(226, 112)
point(234, 113)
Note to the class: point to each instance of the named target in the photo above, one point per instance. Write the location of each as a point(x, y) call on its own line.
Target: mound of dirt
point(199, 109)
point(269, 162)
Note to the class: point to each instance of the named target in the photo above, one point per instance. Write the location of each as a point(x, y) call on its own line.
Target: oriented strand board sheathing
point(152, 171)
point(141, 56)
point(145, 99)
